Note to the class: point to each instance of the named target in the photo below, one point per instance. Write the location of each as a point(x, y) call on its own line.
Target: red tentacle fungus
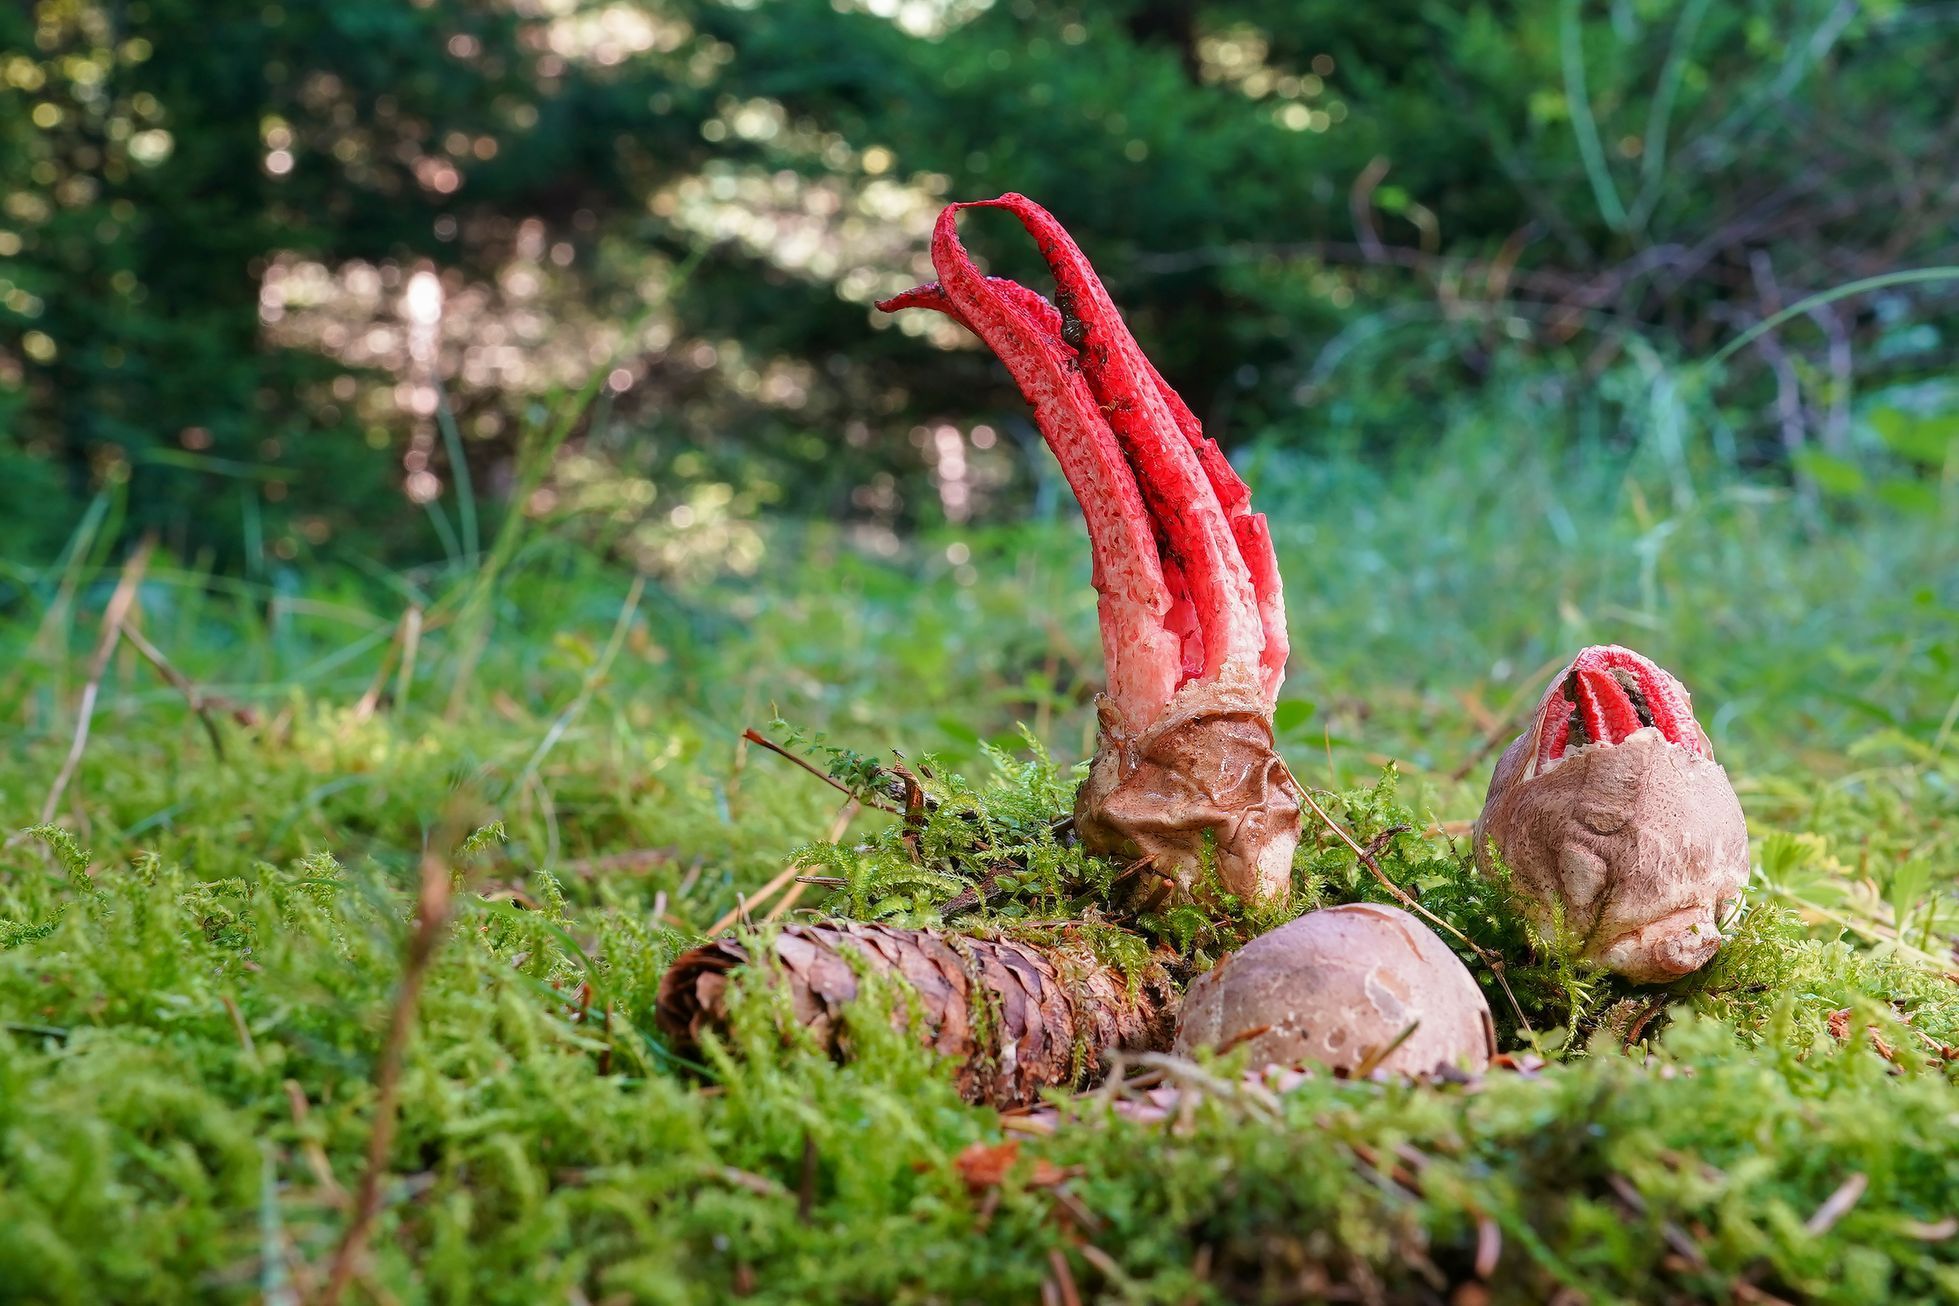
point(1189, 517)
point(1143, 656)
point(1622, 832)
point(1191, 606)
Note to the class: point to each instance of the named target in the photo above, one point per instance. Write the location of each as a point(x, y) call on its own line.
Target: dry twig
point(113, 618)
point(431, 918)
point(1064, 1278)
point(316, 1158)
point(199, 702)
point(407, 639)
point(1837, 1205)
point(239, 1026)
point(754, 736)
point(792, 872)
point(1505, 723)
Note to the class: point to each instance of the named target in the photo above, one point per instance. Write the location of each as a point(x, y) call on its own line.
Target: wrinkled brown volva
point(1192, 613)
point(1014, 1017)
point(1206, 765)
point(1338, 987)
point(1616, 821)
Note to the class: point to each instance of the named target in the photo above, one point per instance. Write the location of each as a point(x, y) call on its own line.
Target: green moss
point(190, 1014)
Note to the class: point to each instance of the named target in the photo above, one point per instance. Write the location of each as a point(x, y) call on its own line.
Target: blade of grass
point(534, 464)
point(69, 567)
point(1571, 52)
point(1906, 277)
point(593, 678)
point(1653, 173)
point(452, 442)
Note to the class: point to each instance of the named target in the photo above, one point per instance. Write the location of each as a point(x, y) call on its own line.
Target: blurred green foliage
point(1326, 219)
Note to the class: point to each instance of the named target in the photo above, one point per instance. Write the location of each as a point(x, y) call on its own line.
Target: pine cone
point(1015, 1017)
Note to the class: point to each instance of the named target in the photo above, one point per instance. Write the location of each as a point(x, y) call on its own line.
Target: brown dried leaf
point(986, 1165)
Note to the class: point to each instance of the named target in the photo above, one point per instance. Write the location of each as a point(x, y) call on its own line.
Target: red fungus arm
point(1032, 304)
point(1189, 516)
point(1249, 529)
point(1144, 655)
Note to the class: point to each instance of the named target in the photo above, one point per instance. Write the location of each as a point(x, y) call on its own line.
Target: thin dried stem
point(431, 918)
point(113, 618)
point(411, 643)
point(1837, 1205)
point(1506, 720)
point(178, 681)
point(1373, 1060)
point(793, 872)
point(1241, 1037)
point(407, 639)
point(316, 1157)
point(239, 1026)
point(787, 901)
point(757, 737)
point(1063, 1280)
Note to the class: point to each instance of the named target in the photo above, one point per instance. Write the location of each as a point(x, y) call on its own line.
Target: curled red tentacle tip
point(929, 295)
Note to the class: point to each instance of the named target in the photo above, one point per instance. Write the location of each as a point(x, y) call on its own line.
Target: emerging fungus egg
point(1339, 987)
point(1616, 822)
